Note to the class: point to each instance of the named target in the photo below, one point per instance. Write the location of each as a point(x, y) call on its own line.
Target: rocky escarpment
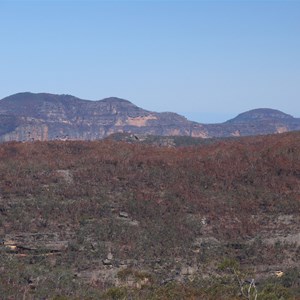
point(28, 116)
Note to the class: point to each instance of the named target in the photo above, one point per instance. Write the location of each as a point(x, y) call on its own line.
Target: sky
point(207, 60)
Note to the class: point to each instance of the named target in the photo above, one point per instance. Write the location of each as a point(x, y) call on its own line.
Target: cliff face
point(28, 116)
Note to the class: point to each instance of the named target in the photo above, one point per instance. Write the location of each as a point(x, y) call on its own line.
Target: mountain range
point(43, 116)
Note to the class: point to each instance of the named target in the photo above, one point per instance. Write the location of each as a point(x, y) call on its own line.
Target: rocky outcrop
point(28, 116)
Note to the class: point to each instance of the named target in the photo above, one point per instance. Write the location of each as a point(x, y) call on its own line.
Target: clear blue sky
point(207, 60)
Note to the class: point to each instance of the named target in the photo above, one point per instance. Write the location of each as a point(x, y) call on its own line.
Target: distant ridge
point(43, 116)
point(260, 114)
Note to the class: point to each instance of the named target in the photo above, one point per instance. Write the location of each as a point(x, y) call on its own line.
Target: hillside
point(113, 220)
point(31, 117)
point(28, 117)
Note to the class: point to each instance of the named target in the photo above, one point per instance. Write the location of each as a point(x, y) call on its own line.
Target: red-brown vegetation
point(188, 205)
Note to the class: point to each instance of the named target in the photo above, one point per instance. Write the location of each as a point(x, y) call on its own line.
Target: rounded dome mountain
point(260, 114)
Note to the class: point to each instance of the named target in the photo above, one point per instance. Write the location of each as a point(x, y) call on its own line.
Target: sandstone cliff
point(28, 116)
